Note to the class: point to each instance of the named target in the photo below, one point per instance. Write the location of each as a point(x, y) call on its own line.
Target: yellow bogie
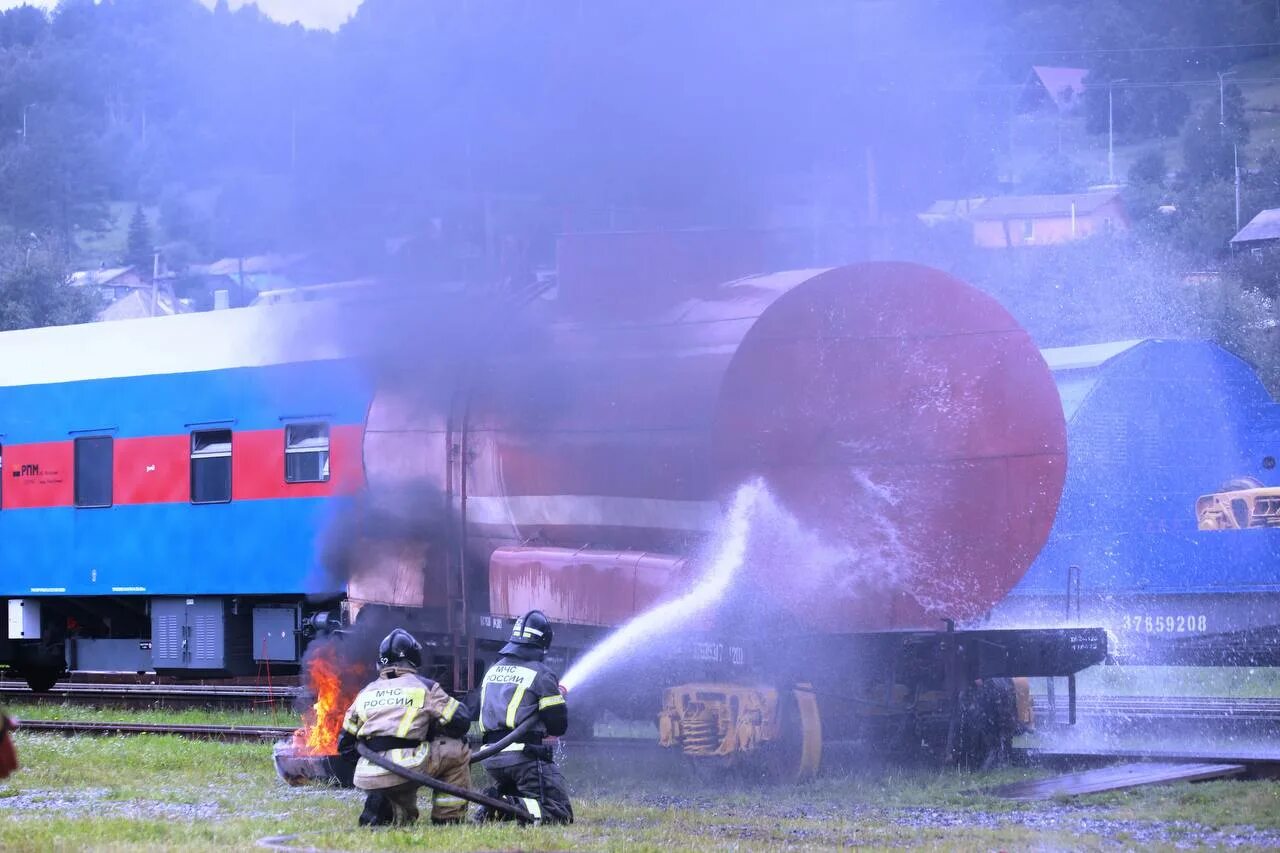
point(734, 722)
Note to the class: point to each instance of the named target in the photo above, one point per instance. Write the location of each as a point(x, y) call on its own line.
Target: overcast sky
point(310, 13)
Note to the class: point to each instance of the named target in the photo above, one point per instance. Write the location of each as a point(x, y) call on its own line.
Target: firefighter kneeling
point(414, 723)
point(518, 686)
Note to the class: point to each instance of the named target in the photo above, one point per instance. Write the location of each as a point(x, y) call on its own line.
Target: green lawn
point(162, 792)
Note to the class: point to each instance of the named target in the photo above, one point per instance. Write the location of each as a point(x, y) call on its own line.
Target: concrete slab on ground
point(1115, 778)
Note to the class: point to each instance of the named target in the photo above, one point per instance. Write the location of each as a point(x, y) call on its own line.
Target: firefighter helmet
point(532, 629)
point(400, 647)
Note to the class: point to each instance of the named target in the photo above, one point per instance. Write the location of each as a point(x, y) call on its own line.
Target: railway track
point(244, 696)
point(1088, 708)
point(1165, 708)
point(152, 695)
point(225, 733)
point(1257, 764)
point(270, 734)
point(1168, 715)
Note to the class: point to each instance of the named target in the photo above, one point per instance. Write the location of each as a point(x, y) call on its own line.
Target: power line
point(1160, 84)
point(1099, 50)
point(1066, 51)
point(1102, 86)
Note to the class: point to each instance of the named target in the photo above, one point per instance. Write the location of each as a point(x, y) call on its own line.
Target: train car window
point(1, 476)
point(306, 453)
point(211, 466)
point(93, 460)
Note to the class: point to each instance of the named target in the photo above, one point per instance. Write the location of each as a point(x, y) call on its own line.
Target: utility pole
point(1235, 156)
point(1222, 104)
point(155, 280)
point(1111, 151)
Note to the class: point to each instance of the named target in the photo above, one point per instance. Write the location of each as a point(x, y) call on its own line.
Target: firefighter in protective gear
point(413, 722)
point(517, 686)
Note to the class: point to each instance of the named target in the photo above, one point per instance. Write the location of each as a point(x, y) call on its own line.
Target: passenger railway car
point(1153, 427)
point(162, 486)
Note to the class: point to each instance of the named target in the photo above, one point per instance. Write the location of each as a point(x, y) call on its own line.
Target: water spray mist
point(707, 592)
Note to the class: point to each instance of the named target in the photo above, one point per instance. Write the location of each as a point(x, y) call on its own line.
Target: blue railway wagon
point(1152, 426)
point(163, 487)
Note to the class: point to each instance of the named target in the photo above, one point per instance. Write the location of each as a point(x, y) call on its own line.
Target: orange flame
point(334, 689)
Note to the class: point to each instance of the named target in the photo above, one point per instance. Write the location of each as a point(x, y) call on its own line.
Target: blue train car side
point(1153, 426)
point(164, 484)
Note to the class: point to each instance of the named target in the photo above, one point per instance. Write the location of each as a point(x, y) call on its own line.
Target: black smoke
point(468, 354)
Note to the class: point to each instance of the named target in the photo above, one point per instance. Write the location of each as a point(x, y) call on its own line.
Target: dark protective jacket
point(517, 685)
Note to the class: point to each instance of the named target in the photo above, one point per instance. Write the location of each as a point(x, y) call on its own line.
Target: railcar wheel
point(981, 733)
point(42, 679)
point(797, 754)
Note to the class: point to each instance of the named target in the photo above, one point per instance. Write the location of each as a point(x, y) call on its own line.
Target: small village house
point(1006, 222)
point(1052, 87)
point(1261, 236)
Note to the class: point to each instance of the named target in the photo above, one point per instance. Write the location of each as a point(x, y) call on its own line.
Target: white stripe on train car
point(263, 335)
point(185, 343)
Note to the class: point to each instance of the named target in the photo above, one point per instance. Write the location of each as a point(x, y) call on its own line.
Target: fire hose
point(444, 787)
point(517, 812)
point(509, 738)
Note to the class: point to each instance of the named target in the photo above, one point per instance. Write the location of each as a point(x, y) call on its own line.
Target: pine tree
point(139, 249)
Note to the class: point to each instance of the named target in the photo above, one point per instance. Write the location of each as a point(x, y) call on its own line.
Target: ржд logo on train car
point(35, 474)
point(1241, 504)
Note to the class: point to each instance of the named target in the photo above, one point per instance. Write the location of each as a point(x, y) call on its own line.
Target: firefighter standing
point(414, 723)
point(517, 686)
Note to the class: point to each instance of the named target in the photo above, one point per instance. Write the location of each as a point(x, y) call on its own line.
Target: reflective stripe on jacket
point(515, 687)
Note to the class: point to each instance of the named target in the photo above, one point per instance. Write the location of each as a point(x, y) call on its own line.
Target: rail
point(146, 695)
point(1172, 708)
point(197, 732)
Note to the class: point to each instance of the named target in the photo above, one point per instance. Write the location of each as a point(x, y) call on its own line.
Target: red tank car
point(893, 409)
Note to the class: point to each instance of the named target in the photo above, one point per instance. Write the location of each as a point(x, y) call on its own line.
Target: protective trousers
point(537, 785)
point(449, 761)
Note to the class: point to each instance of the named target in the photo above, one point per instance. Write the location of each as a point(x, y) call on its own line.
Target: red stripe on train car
point(152, 470)
point(257, 466)
point(157, 469)
point(38, 475)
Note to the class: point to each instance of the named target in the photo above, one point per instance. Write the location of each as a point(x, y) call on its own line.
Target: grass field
point(163, 792)
point(283, 716)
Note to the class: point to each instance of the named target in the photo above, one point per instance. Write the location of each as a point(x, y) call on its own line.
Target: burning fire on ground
point(335, 684)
